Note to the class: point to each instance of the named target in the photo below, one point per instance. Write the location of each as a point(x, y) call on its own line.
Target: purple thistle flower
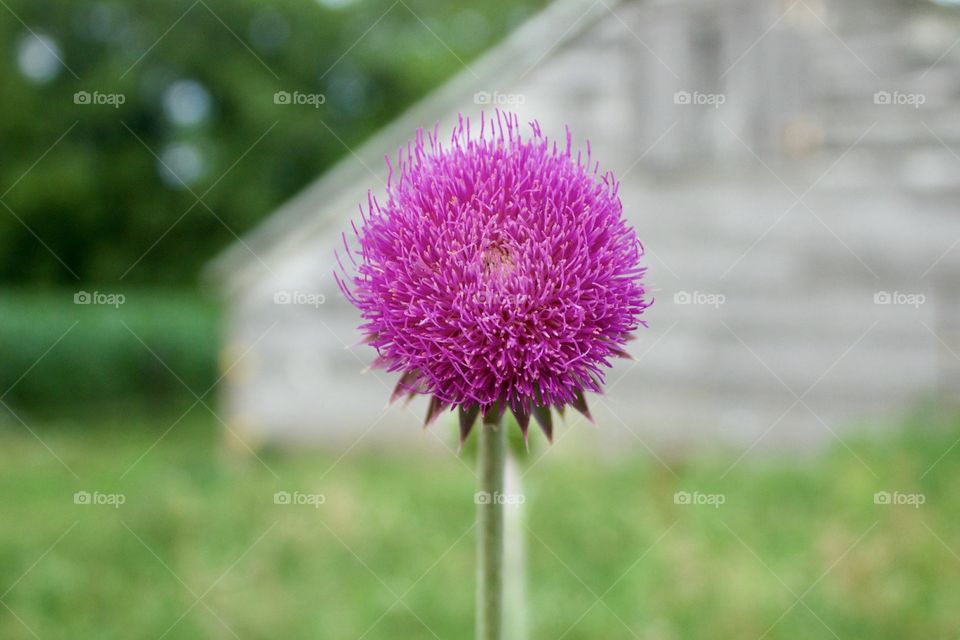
point(499, 273)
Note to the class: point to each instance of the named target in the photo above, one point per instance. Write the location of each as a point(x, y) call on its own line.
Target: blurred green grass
point(798, 550)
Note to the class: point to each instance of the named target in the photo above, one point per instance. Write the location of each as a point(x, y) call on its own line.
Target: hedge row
point(60, 349)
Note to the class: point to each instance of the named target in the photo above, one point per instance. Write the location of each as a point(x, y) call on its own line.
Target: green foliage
point(58, 355)
point(199, 522)
point(97, 198)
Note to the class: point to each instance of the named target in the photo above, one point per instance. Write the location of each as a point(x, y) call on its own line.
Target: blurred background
point(190, 444)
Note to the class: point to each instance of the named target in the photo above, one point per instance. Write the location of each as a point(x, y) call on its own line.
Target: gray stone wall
point(800, 211)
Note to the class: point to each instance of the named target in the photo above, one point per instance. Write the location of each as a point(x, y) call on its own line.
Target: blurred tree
point(137, 139)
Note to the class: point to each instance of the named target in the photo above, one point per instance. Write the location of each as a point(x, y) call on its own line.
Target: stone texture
point(814, 232)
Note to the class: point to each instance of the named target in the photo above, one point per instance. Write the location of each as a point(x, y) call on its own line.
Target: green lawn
point(199, 549)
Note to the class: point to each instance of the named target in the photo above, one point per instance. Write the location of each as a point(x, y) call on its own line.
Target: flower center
point(497, 259)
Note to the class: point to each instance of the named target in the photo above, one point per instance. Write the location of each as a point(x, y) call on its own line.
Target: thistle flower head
point(499, 273)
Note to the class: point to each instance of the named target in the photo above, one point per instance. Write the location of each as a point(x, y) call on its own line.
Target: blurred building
point(793, 169)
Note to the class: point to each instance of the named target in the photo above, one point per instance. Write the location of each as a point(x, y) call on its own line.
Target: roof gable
point(298, 220)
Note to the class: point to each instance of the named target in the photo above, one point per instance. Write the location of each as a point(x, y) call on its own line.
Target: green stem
point(492, 456)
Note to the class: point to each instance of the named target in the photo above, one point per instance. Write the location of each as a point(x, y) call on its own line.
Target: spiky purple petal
point(500, 269)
